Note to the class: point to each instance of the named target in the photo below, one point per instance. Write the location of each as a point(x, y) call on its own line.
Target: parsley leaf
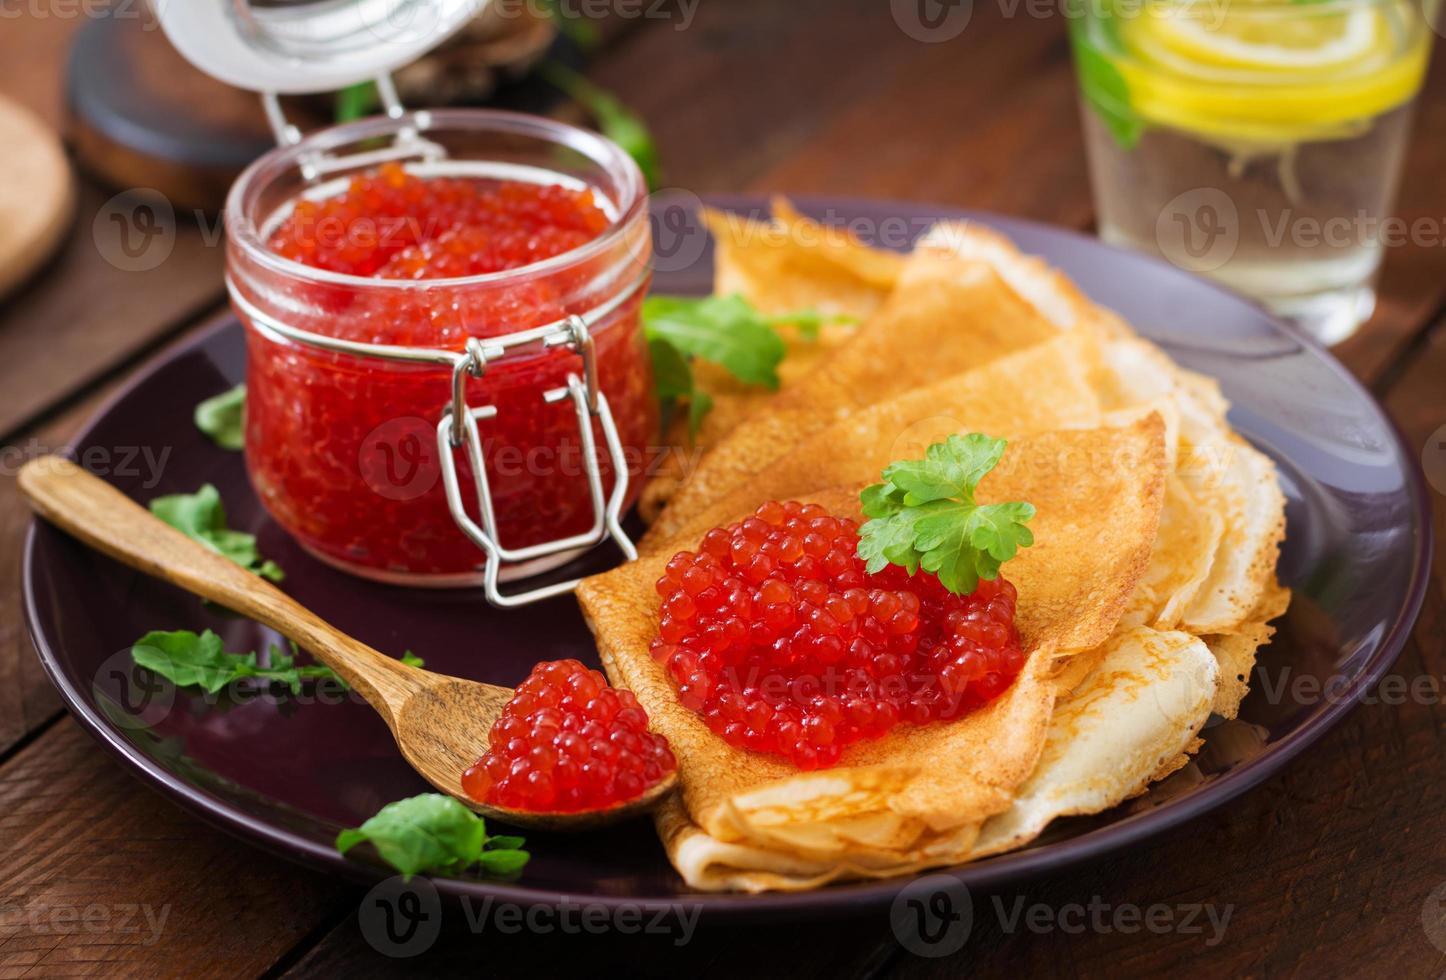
point(200, 516)
point(924, 516)
point(436, 833)
point(223, 418)
point(187, 659)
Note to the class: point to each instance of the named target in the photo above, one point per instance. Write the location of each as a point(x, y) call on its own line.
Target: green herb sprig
point(201, 517)
point(223, 418)
point(436, 833)
point(924, 516)
point(188, 659)
point(724, 330)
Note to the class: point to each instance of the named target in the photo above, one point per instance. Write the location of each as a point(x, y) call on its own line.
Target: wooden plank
point(985, 121)
point(27, 700)
point(34, 40)
point(1417, 404)
point(472, 942)
point(748, 84)
point(104, 878)
point(111, 292)
point(1412, 290)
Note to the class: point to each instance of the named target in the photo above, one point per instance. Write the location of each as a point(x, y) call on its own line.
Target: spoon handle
point(106, 519)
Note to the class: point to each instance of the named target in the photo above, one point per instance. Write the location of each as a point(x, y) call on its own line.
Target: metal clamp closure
point(458, 429)
point(407, 144)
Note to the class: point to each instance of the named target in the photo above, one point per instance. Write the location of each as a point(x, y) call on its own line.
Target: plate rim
point(833, 899)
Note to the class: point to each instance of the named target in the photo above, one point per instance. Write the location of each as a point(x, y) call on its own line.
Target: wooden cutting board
point(37, 193)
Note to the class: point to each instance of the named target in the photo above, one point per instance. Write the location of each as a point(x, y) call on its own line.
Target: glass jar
point(343, 447)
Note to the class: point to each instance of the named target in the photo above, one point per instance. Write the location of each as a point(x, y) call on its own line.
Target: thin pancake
point(794, 263)
point(733, 402)
point(913, 795)
point(946, 315)
point(783, 266)
point(1127, 724)
point(986, 399)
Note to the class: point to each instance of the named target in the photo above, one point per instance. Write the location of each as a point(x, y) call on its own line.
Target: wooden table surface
point(1338, 863)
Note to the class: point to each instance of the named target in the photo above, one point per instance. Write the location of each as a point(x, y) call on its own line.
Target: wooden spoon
point(440, 723)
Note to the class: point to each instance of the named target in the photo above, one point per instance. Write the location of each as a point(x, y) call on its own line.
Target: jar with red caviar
point(465, 274)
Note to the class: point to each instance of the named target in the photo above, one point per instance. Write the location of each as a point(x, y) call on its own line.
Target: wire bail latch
point(458, 429)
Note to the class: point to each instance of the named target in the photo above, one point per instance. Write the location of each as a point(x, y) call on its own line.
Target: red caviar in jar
point(393, 225)
point(342, 449)
point(775, 633)
point(568, 742)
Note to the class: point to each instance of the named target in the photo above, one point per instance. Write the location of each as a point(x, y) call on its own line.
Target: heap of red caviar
point(777, 635)
point(568, 742)
point(391, 224)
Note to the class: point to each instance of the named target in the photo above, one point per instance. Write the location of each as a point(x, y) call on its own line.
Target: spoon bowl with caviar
point(562, 752)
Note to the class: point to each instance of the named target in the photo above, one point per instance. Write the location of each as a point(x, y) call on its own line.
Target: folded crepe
point(783, 266)
point(1212, 573)
point(985, 399)
point(918, 796)
point(1130, 721)
point(794, 263)
point(945, 315)
point(1179, 645)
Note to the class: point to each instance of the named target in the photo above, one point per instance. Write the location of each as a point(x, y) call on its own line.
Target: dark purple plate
point(288, 774)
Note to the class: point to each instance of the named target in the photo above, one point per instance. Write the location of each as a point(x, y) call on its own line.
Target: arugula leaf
point(672, 374)
point(726, 330)
point(187, 659)
point(614, 120)
point(436, 833)
point(201, 516)
point(223, 418)
point(673, 381)
point(924, 516)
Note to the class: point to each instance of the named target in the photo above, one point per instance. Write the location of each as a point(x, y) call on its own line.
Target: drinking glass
point(1255, 141)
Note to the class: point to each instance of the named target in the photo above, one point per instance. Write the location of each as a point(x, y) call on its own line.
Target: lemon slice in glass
point(1271, 73)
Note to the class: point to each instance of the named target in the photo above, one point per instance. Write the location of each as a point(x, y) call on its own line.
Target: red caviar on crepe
point(776, 633)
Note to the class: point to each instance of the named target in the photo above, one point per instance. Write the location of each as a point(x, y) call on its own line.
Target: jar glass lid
point(298, 46)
